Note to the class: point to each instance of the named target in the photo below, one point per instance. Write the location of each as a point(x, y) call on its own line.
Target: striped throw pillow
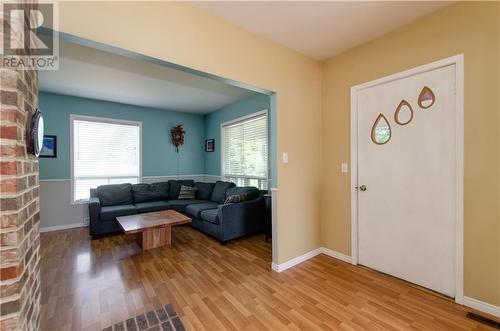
point(237, 198)
point(187, 193)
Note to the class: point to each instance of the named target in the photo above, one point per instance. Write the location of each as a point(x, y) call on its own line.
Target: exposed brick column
point(19, 204)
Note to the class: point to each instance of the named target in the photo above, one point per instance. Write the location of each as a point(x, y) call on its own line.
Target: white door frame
point(458, 61)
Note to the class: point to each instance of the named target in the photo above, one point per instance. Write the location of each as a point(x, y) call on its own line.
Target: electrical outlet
point(86, 221)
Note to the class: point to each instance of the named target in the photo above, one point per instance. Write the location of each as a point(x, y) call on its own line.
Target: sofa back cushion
point(205, 190)
point(161, 188)
point(239, 194)
point(117, 194)
point(150, 192)
point(175, 187)
point(219, 192)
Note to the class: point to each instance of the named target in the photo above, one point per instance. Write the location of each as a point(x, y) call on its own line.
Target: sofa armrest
point(95, 215)
point(242, 218)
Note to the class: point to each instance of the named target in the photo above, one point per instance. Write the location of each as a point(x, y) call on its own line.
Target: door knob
point(362, 188)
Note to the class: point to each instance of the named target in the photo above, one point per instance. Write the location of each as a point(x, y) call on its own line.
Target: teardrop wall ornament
point(381, 130)
point(426, 98)
point(404, 113)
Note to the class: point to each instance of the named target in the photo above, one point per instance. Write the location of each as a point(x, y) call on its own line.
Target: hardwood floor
point(89, 285)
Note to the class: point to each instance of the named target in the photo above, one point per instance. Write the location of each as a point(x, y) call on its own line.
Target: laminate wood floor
point(89, 285)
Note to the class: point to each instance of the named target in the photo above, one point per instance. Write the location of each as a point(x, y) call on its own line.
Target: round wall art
point(34, 139)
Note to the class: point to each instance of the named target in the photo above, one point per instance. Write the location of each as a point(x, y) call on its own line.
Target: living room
point(129, 141)
point(93, 88)
point(382, 163)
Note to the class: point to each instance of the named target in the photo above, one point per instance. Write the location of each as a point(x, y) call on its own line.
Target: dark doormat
point(161, 319)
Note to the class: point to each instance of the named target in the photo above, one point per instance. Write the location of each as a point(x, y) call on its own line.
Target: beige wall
point(472, 29)
point(180, 33)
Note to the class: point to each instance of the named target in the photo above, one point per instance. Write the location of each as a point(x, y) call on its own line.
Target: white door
point(406, 215)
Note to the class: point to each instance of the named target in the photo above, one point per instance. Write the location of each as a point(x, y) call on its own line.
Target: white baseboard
point(297, 260)
point(335, 254)
point(62, 227)
point(482, 306)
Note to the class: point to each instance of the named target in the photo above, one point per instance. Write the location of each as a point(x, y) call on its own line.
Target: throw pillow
point(174, 186)
point(237, 198)
point(187, 193)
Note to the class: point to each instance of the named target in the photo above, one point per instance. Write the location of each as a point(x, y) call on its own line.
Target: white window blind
point(104, 152)
point(245, 151)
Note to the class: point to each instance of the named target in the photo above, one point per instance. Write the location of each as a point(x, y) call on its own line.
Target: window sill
point(80, 202)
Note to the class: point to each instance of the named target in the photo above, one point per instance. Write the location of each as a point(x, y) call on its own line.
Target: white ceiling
point(90, 73)
point(321, 29)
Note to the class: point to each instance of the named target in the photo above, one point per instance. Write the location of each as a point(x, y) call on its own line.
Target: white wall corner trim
point(274, 226)
point(482, 306)
point(302, 258)
point(296, 260)
point(337, 255)
point(62, 227)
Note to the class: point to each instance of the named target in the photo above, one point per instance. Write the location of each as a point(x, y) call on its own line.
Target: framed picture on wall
point(209, 145)
point(49, 146)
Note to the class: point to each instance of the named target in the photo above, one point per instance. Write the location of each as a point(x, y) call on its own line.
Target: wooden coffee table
point(153, 229)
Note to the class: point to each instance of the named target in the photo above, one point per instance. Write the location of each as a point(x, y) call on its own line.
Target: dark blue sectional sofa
point(208, 212)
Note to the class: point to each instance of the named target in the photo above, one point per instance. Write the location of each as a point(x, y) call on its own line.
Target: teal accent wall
point(252, 104)
point(158, 154)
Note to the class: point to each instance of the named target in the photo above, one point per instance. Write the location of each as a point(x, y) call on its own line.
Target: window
point(104, 151)
point(245, 151)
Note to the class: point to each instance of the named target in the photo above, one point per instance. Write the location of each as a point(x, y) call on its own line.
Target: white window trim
point(222, 140)
point(74, 117)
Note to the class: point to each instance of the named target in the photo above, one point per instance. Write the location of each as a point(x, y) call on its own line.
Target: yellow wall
point(471, 29)
point(185, 35)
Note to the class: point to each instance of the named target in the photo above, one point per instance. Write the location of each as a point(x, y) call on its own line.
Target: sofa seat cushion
point(116, 194)
point(109, 213)
point(210, 215)
point(196, 209)
point(147, 207)
point(219, 192)
point(180, 205)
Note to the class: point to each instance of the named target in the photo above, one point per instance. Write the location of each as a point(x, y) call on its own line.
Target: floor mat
point(162, 319)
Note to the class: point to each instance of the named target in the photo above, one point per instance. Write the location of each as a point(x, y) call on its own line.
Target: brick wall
point(19, 204)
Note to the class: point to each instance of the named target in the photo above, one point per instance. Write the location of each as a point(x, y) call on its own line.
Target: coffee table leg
point(153, 238)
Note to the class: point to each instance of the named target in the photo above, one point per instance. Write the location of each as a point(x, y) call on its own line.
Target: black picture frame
point(209, 145)
point(49, 146)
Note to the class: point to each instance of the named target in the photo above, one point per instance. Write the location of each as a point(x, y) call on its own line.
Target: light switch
point(344, 168)
point(285, 157)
